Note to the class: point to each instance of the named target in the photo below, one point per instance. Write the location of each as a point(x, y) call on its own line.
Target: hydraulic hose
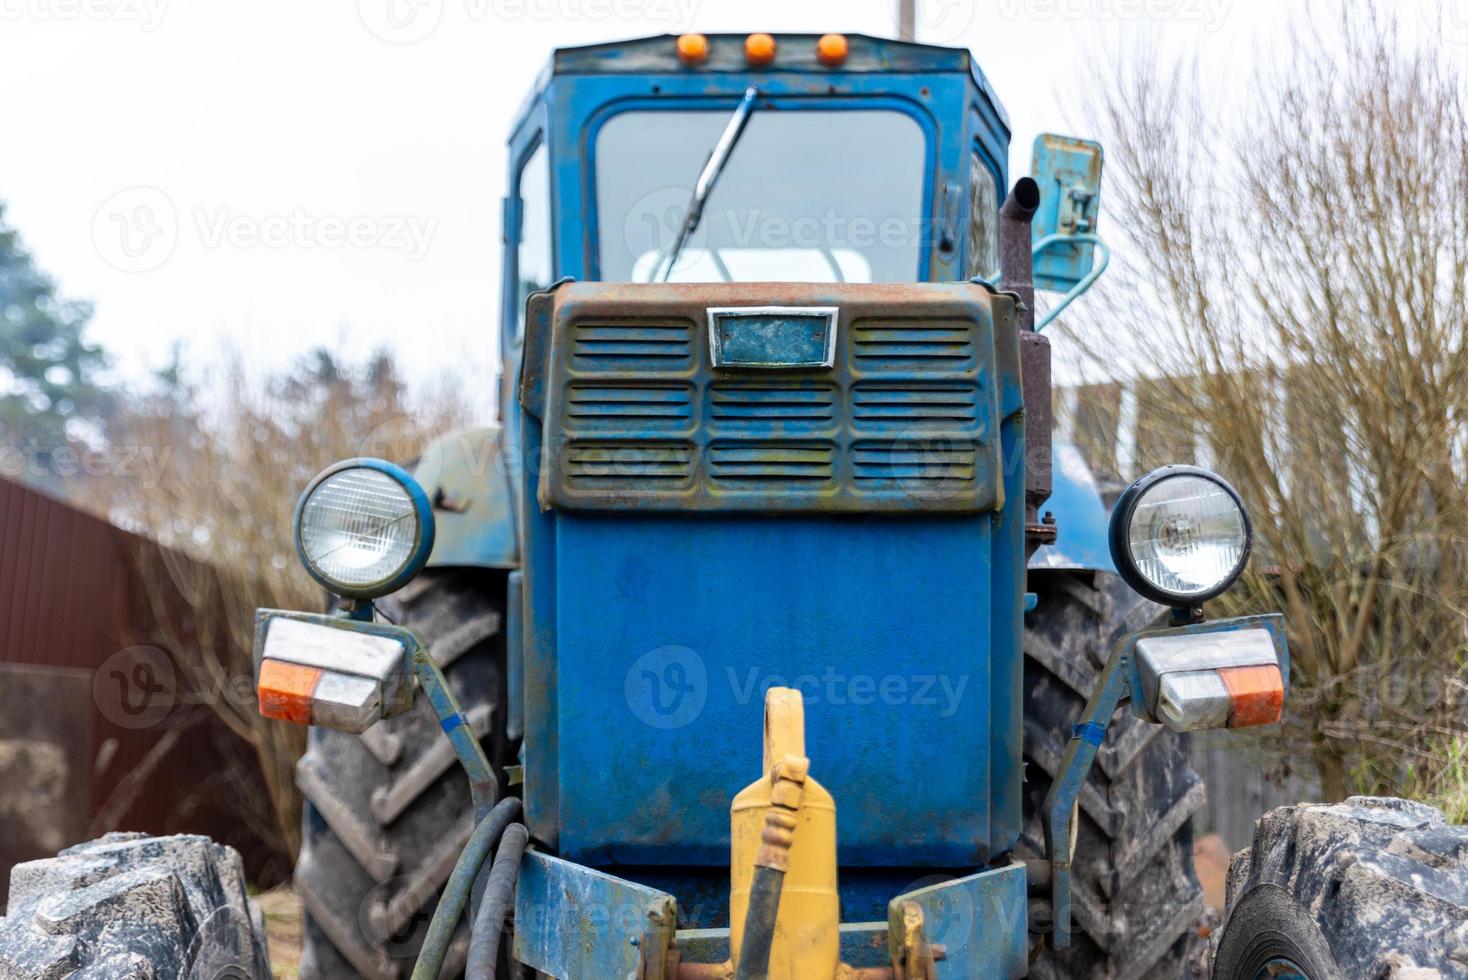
point(499, 896)
point(759, 923)
point(769, 868)
point(456, 892)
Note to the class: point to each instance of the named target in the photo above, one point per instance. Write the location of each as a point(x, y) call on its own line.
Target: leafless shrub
point(231, 455)
point(1292, 301)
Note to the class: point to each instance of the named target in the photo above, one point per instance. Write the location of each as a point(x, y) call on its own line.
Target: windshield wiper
point(710, 175)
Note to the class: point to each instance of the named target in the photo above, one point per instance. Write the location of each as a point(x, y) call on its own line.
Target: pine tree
point(51, 392)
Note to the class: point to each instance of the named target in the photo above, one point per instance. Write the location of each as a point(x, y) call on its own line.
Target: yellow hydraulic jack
point(784, 825)
point(784, 909)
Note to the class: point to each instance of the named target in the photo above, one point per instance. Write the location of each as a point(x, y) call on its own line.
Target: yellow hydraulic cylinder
point(807, 944)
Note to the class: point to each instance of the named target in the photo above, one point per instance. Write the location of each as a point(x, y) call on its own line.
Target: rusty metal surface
point(1039, 427)
point(905, 420)
point(1015, 259)
point(571, 921)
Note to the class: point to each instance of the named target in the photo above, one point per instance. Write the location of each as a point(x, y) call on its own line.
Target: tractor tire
point(1371, 887)
point(388, 812)
point(1135, 898)
point(133, 907)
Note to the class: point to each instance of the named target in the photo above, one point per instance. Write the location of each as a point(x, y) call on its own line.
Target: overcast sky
point(286, 173)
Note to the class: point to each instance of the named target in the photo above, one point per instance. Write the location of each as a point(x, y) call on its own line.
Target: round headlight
point(1180, 535)
point(364, 528)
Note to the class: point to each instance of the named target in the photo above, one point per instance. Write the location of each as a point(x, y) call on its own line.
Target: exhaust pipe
point(1017, 275)
point(1016, 264)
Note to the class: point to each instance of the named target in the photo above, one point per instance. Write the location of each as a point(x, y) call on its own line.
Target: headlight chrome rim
point(422, 546)
point(1119, 537)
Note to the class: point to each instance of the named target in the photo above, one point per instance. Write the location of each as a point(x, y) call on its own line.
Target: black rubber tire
point(388, 812)
point(1371, 887)
point(1135, 896)
point(132, 906)
point(1267, 926)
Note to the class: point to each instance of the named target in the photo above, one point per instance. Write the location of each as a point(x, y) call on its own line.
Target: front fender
point(467, 478)
point(1080, 516)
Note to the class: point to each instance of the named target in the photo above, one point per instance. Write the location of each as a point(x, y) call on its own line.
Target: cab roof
point(657, 55)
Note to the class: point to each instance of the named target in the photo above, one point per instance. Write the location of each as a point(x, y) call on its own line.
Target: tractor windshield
point(806, 196)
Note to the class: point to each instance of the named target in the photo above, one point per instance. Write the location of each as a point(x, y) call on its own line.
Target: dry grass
point(283, 930)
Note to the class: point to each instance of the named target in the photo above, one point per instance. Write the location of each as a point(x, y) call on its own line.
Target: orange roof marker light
point(832, 49)
point(759, 49)
point(693, 49)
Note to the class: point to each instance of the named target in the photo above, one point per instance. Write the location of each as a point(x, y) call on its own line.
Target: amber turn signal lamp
point(759, 49)
point(693, 49)
point(832, 49)
point(1256, 694)
point(285, 691)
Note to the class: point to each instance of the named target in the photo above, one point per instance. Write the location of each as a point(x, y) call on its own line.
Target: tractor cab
point(876, 162)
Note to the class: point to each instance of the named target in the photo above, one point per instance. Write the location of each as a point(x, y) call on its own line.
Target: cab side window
point(983, 222)
point(534, 266)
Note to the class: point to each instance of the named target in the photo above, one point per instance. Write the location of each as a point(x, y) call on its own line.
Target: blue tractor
point(767, 328)
point(768, 636)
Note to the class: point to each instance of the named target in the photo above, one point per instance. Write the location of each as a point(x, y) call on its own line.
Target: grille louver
point(912, 345)
point(914, 463)
point(647, 346)
point(610, 464)
point(951, 404)
point(620, 407)
point(778, 461)
point(744, 404)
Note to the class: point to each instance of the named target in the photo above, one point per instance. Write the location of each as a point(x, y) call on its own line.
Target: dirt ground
point(1210, 859)
point(283, 911)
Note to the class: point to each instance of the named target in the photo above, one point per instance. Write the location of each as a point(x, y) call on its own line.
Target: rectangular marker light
point(772, 336)
point(335, 673)
point(1196, 681)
